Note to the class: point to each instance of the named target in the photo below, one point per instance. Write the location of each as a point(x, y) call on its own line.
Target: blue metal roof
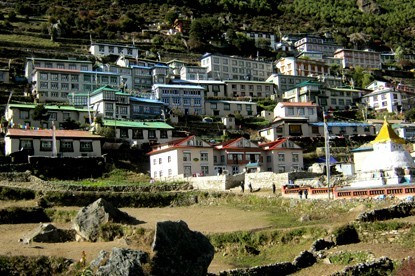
point(341, 124)
point(138, 99)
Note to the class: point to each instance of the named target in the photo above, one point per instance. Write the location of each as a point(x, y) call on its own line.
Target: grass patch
point(30, 41)
point(347, 258)
point(61, 215)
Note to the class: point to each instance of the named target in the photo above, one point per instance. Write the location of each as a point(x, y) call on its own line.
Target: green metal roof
point(107, 88)
point(48, 107)
point(308, 83)
point(136, 124)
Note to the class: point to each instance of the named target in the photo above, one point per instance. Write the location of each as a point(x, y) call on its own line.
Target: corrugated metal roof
point(137, 124)
point(48, 133)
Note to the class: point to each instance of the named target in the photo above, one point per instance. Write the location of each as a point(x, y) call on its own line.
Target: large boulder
point(48, 233)
point(120, 261)
point(89, 219)
point(180, 251)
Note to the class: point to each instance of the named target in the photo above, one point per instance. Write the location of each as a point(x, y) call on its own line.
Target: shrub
point(110, 231)
point(345, 235)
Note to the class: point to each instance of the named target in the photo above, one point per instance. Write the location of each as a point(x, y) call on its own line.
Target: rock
point(89, 219)
point(305, 259)
point(48, 233)
point(251, 250)
point(346, 234)
point(180, 251)
point(120, 261)
point(321, 244)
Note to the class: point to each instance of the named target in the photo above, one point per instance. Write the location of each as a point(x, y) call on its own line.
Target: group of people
point(301, 192)
point(242, 185)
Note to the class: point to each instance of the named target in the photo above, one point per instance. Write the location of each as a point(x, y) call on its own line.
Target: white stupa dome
point(388, 152)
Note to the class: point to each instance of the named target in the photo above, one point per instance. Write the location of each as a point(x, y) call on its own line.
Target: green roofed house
point(111, 103)
point(139, 133)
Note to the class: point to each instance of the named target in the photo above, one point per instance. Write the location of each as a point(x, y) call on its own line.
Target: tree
point(410, 115)
point(171, 16)
point(70, 124)
point(40, 113)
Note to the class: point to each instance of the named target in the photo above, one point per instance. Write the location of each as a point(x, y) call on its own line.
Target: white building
point(282, 155)
point(263, 36)
point(220, 67)
point(186, 98)
point(320, 44)
point(188, 72)
point(185, 157)
point(62, 64)
point(223, 108)
point(110, 103)
point(105, 49)
point(69, 143)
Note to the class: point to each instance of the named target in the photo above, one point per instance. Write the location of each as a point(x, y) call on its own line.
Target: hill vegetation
point(214, 25)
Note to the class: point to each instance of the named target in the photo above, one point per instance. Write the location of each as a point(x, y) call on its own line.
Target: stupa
point(388, 164)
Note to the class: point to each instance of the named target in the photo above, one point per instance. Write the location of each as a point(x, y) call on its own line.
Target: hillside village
point(224, 114)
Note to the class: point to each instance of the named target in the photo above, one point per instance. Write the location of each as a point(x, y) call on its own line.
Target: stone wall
point(217, 182)
point(403, 209)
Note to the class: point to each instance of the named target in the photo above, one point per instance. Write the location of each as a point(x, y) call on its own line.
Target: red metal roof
point(273, 144)
point(48, 133)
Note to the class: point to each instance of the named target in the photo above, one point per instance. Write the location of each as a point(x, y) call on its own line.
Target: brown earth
point(206, 219)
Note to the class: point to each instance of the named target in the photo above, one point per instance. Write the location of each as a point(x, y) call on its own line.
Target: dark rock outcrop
point(272, 269)
point(48, 233)
point(382, 266)
point(119, 261)
point(89, 219)
point(180, 251)
point(346, 235)
point(401, 210)
point(321, 244)
point(305, 259)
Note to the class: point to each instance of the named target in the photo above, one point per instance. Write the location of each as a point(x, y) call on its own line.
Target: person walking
point(300, 193)
point(273, 188)
point(242, 186)
point(306, 193)
point(250, 187)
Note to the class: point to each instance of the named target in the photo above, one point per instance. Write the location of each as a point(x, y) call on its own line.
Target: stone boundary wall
point(383, 265)
point(217, 182)
point(401, 210)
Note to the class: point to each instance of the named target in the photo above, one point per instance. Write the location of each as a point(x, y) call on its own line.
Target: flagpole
point(327, 151)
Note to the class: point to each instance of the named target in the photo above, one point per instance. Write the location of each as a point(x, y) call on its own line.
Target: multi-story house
point(106, 49)
point(283, 83)
point(188, 72)
point(325, 45)
point(328, 98)
point(175, 66)
point(220, 67)
point(249, 89)
point(188, 99)
point(213, 88)
point(258, 37)
point(21, 116)
point(63, 64)
point(282, 155)
point(237, 155)
point(224, 108)
point(54, 85)
point(140, 134)
point(301, 119)
point(110, 103)
point(69, 143)
point(189, 156)
point(302, 67)
point(363, 58)
point(306, 110)
point(143, 108)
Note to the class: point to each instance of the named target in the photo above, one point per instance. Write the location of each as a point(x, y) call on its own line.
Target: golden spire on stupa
point(386, 134)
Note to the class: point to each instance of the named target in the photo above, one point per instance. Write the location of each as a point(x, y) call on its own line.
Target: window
point(213, 105)
point(314, 130)
point(86, 146)
point(66, 146)
point(87, 78)
point(151, 134)
point(64, 77)
point(290, 111)
point(160, 160)
point(168, 159)
point(204, 170)
point(44, 76)
point(45, 145)
point(66, 115)
point(300, 111)
point(197, 102)
point(203, 156)
point(269, 158)
point(281, 169)
point(295, 157)
point(281, 157)
point(53, 116)
point(138, 134)
point(72, 66)
point(54, 85)
point(176, 101)
point(279, 129)
point(187, 156)
point(24, 114)
point(74, 78)
point(186, 101)
point(310, 111)
point(154, 161)
point(163, 133)
point(26, 144)
point(226, 106)
point(54, 77)
point(123, 132)
point(169, 172)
